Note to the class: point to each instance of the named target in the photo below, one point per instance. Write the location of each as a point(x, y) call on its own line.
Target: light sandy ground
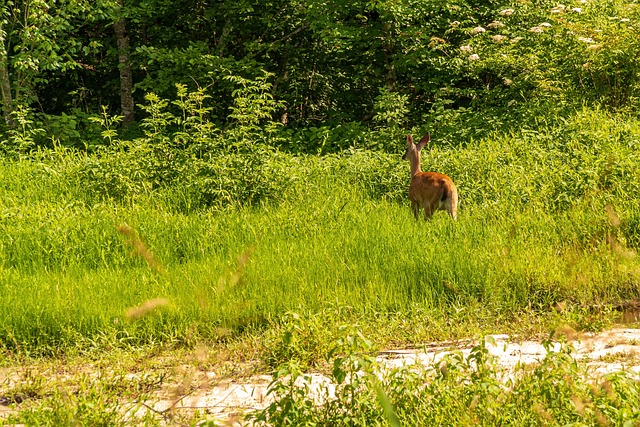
point(608, 351)
point(222, 398)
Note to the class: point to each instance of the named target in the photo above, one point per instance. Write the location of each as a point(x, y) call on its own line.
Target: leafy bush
point(298, 340)
point(459, 390)
point(591, 155)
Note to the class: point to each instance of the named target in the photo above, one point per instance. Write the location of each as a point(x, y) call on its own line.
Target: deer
point(431, 191)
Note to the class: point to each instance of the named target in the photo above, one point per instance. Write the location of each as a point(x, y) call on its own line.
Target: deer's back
point(432, 187)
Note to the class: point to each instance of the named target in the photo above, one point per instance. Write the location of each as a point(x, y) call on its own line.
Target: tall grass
point(544, 223)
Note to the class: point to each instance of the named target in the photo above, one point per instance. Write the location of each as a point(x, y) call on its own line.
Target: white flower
point(474, 57)
point(466, 49)
point(498, 38)
point(454, 24)
point(577, 9)
point(506, 12)
point(495, 24)
point(507, 82)
point(586, 39)
point(544, 24)
point(536, 30)
point(558, 9)
point(625, 20)
point(478, 30)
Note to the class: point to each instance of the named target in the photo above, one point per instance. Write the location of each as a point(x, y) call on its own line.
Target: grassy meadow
point(294, 250)
point(248, 215)
point(543, 223)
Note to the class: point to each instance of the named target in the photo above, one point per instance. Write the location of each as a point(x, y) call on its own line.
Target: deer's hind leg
point(428, 211)
point(415, 206)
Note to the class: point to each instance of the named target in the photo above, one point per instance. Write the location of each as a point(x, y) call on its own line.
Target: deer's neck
point(415, 165)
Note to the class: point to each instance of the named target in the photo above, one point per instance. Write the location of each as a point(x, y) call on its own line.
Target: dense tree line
point(328, 62)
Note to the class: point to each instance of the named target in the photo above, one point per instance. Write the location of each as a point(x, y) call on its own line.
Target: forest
point(219, 186)
point(314, 76)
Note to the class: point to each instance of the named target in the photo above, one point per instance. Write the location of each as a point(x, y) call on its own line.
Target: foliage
point(23, 138)
point(253, 104)
point(329, 70)
point(43, 41)
point(343, 396)
point(459, 390)
point(263, 178)
point(391, 108)
point(183, 147)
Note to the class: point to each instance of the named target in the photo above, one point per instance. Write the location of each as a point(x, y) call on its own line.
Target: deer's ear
point(409, 140)
point(424, 141)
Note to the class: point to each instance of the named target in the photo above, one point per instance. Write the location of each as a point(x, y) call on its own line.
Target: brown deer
point(430, 190)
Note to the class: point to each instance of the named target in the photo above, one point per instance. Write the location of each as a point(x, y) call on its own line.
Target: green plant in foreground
point(459, 390)
point(342, 396)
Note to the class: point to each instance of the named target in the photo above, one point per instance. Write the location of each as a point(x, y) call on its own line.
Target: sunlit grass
point(69, 275)
point(546, 239)
point(543, 223)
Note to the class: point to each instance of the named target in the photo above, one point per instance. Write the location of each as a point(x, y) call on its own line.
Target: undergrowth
point(149, 388)
point(226, 245)
point(459, 390)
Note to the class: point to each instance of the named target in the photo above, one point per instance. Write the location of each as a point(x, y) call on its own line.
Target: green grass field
point(547, 236)
point(540, 225)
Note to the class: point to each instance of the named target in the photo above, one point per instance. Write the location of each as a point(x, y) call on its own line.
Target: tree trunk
point(126, 75)
point(5, 84)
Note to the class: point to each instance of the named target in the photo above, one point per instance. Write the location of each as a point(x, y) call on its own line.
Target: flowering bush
point(518, 63)
point(566, 54)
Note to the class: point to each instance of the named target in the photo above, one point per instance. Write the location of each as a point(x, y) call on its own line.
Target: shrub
point(459, 390)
